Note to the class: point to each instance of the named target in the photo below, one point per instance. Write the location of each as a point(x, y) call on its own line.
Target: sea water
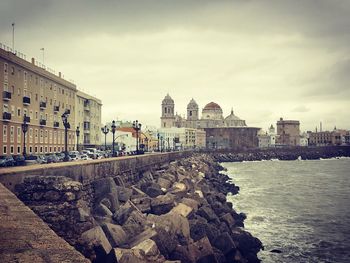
point(301, 208)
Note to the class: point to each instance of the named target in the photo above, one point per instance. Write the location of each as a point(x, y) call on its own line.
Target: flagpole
point(13, 37)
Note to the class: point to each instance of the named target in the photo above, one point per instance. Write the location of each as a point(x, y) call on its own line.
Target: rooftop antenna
point(13, 37)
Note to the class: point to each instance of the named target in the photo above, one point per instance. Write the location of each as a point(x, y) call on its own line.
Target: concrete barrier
point(127, 167)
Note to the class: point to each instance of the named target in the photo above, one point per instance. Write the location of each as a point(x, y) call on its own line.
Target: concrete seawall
point(126, 168)
point(26, 238)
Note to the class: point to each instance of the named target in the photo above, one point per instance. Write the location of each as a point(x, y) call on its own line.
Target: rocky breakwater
point(177, 213)
point(290, 153)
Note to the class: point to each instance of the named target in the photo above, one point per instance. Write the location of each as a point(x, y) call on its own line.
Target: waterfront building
point(288, 132)
point(40, 95)
point(325, 138)
point(88, 119)
point(181, 138)
point(267, 139)
point(212, 118)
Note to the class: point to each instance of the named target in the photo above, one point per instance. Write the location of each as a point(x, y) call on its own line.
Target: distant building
point(267, 139)
point(325, 138)
point(88, 119)
point(288, 132)
point(181, 138)
point(304, 139)
point(236, 130)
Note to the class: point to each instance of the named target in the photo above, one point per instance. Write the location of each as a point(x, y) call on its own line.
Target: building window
point(12, 70)
point(19, 134)
point(4, 133)
point(41, 149)
point(18, 149)
point(30, 149)
point(4, 149)
point(18, 112)
point(36, 149)
point(12, 149)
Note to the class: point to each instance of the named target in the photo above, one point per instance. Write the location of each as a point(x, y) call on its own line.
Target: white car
point(85, 157)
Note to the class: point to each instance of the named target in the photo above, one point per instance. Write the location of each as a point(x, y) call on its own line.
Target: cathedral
point(212, 116)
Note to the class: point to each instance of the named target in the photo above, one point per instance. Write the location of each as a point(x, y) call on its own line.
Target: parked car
point(85, 157)
point(74, 157)
point(6, 161)
point(34, 159)
point(19, 160)
point(52, 158)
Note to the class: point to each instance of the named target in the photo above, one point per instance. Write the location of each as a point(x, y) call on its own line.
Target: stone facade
point(288, 132)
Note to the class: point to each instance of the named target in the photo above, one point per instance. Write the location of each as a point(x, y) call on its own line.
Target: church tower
point(167, 120)
point(192, 110)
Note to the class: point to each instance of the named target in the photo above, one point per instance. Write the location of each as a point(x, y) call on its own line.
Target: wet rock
point(225, 243)
point(199, 228)
point(191, 203)
point(202, 251)
point(162, 204)
point(97, 238)
point(182, 209)
point(228, 219)
point(115, 234)
point(246, 243)
point(208, 214)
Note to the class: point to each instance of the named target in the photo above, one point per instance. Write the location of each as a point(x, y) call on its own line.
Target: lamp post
point(146, 140)
point(158, 141)
point(168, 144)
point(77, 132)
point(24, 130)
point(105, 130)
point(174, 144)
point(66, 125)
point(113, 127)
point(161, 143)
point(137, 126)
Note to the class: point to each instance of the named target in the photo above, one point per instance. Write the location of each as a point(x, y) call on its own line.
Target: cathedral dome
point(167, 100)
point(212, 106)
point(192, 104)
point(234, 121)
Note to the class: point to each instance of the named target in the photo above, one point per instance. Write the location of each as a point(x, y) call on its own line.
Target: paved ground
point(24, 237)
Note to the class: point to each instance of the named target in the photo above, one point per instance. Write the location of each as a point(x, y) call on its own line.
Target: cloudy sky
point(266, 59)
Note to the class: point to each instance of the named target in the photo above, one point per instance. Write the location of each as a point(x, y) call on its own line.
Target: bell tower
point(167, 120)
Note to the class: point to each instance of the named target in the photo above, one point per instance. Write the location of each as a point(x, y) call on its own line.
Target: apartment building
point(42, 97)
point(88, 119)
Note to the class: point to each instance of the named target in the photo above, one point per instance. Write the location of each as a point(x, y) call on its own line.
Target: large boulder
point(115, 234)
point(123, 213)
point(148, 246)
point(105, 188)
point(162, 204)
point(143, 203)
point(183, 210)
point(207, 213)
point(124, 193)
point(248, 245)
point(135, 223)
point(97, 239)
point(225, 243)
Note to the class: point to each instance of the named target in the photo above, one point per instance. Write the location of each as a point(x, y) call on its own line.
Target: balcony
point(6, 116)
point(42, 105)
point(26, 100)
point(26, 119)
point(42, 122)
point(6, 95)
point(56, 124)
point(56, 108)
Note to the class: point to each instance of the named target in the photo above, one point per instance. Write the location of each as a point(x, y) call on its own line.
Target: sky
point(266, 59)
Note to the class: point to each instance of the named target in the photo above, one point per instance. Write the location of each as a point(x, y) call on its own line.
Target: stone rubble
point(178, 213)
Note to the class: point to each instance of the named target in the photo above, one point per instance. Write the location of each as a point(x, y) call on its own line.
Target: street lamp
point(113, 127)
point(161, 143)
point(137, 126)
point(66, 125)
point(168, 144)
point(77, 132)
point(174, 144)
point(24, 130)
point(158, 141)
point(105, 130)
point(146, 140)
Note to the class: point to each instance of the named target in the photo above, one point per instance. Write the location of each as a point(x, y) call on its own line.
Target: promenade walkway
point(24, 237)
